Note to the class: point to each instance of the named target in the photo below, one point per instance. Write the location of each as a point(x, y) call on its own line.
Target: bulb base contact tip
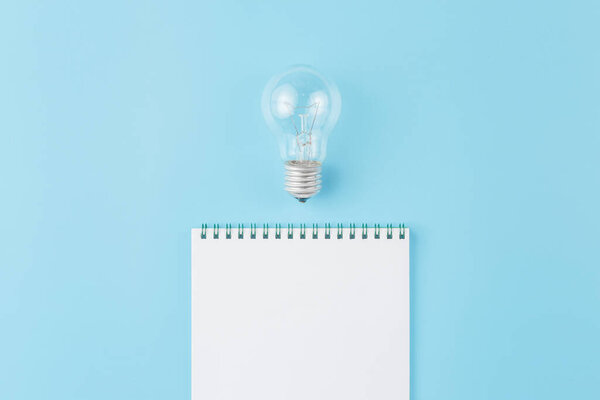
point(303, 179)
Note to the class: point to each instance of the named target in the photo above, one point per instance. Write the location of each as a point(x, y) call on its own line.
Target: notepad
point(300, 313)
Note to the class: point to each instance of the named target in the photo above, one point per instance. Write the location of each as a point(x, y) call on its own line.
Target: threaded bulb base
point(303, 179)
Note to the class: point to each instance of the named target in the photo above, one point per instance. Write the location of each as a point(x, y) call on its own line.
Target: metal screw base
point(303, 179)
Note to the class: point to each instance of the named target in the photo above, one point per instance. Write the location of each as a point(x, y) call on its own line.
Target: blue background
point(125, 125)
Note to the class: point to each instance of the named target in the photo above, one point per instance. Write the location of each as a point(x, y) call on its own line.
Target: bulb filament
point(304, 134)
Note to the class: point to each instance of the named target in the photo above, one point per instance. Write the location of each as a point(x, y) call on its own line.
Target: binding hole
point(364, 231)
point(203, 232)
point(315, 233)
point(377, 231)
point(240, 231)
point(340, 234)
point(277, 231)
point(290, 231)
point(252, 231)
point(390, 231)
point(302, 231)
point(327, 231)
point(216, 231)
point(265, 231)
point(352, 231)
point(228, 231)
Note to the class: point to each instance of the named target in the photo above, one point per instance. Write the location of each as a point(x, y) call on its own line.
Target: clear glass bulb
point(301, 107)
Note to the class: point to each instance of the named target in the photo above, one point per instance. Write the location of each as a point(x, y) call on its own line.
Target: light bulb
point(301, 107)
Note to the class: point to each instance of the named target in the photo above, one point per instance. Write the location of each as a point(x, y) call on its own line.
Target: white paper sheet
point(300, 319)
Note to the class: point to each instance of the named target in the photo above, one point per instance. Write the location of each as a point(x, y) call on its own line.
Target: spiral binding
point(363, 232)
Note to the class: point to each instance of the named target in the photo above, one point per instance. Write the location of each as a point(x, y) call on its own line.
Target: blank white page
point(300, 319)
